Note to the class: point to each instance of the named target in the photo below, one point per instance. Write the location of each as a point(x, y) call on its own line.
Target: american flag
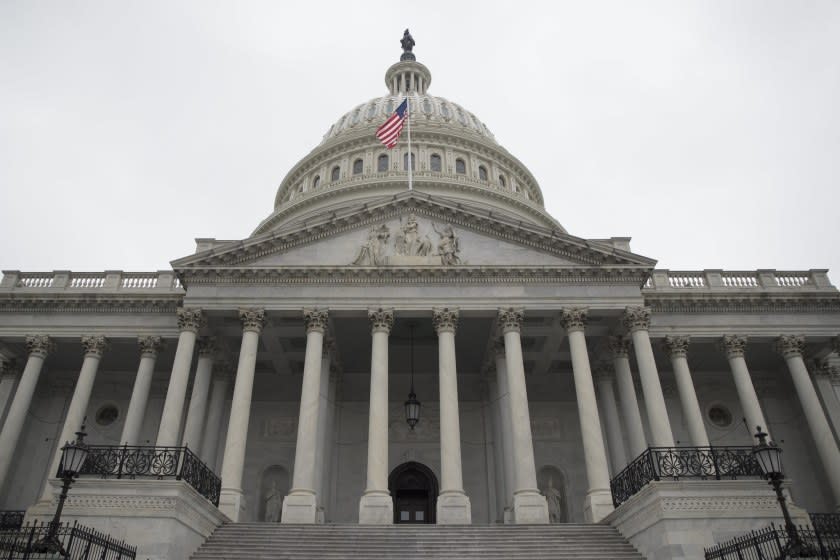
point(390, 130)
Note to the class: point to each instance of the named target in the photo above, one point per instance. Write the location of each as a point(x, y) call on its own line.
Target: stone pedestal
point(164, 519)
point(376, 508)
point(529, 507)
point(597, 505)
point(453, 508)
point(232, 503)
point(300, 506)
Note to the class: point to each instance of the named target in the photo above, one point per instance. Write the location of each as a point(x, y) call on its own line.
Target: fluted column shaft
point(300, 506)
point(822, 377)
point(620, 347)
point(93, 347)
point(198, 399)
point(734, 347)
point(38, 347)
point(149, 347)
point(612, 423)
point(232, 500)
point(529, 505)
point(598, 500)
point(637, 321)
point(790, 347)
point(8, 380)
point(506, 422)
point(324, 405)
point(189, 321)
point(215, 411)
point(376, 506)
point(677, 348)
point(453, 505)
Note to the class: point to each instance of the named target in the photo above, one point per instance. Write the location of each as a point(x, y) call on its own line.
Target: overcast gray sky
point(707, 131)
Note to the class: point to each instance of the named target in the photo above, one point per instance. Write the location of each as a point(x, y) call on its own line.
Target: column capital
point(253, 319)
point(619, 346)
point(207, 346)
point(149, 345)
point(676, 346)
point(381, 319)
point(190, 319)
point(94, 345)
point(510, 319)
point(636, 318)
point(7, 366)
point(328, 347)
point(825, 369)
point(223, 369)
point(315, 319)
point(498, 347)
point(602, 371)
point(790, 345)
point(445, 319)
point(734, 345)
point(39, 345)
point(574, 318)
point(835, 344)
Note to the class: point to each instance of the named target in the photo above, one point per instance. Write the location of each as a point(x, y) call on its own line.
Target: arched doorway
point(414, 488)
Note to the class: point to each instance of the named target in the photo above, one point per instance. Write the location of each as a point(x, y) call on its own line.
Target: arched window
point(482, 173)
point(405, 162)
point(336, 173)
point(502, 181)
point(435, 163)
point(460, 167)
point(382, 163)
point(358, 165)
point(316, 182)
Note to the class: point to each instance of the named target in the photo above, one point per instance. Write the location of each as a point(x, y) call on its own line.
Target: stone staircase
point(272, 541)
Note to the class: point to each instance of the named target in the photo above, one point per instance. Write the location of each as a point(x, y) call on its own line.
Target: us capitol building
point(543, 363)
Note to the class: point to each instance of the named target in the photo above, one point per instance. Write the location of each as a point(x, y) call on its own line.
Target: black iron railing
point(828, 523)
point(11, 519)
point(81, 543)
point(154, 462)
point(674, 463)
point(776, 542)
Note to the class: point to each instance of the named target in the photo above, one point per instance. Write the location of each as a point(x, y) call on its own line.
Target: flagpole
point(410, 156)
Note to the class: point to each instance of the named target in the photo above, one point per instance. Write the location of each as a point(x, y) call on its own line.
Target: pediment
point(408, 231)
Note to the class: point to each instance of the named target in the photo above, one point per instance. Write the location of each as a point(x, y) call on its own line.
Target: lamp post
point(73, 456)
point(769, 458)
point(412, 405)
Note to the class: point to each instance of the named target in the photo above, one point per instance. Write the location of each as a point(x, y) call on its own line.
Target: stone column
point(324, 432)
point(612, 424)
point(637, 321)
point(8, 380)
point(620, 348)
point(453, 505)
point(529, 506)
point(198, 399)
point(301, 505)
point(232, 498)
point(38, 346)
point(506, 426)
point(189, 321)
point(598, 503)
point(376, 506)
point(149, 347)
point(677, 348)
point(791, 347)
point(215, 411)
point(824, 376)
point(93, 347)
point(734, 346)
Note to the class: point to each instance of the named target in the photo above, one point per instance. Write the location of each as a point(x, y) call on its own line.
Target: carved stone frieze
point(94, 345)
point(733, 345)
point(619, 346)
point(676, 346)
point(636, 318)
point(445, 319)
point(39, 345)
point(149, 345)
point(207, 346)
point(410, 246)
point(190, 319)
point(510, 319)
point(253, 319)
point(315, 319)
point(739, 303)
point(381, 319)
point(574, 318)
point(73, 303)
point(790, 345)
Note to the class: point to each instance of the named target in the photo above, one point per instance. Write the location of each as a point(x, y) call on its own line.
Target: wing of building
point(559, 379)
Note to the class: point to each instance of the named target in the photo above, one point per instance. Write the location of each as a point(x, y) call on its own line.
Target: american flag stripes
point(390, 130)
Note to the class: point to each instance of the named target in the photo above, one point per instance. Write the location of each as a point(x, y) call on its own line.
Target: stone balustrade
point(107, 281)
point(731, 280)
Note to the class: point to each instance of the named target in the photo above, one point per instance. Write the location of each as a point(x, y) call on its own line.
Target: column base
point(300, 506)
point(529, 507)
point(232, 503)
point(597, 505)
point(507, 516)
point(453, 508)
point(376, 508)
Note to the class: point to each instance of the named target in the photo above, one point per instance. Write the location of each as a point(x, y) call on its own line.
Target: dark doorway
point(415, 489)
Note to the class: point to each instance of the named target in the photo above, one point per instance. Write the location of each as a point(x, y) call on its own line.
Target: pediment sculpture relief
point(410, 246)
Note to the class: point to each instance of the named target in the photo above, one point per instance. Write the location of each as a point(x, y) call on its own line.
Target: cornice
point(802, 302)
point(89, 303)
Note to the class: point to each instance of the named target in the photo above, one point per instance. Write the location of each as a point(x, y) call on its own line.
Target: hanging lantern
point(412, 405)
